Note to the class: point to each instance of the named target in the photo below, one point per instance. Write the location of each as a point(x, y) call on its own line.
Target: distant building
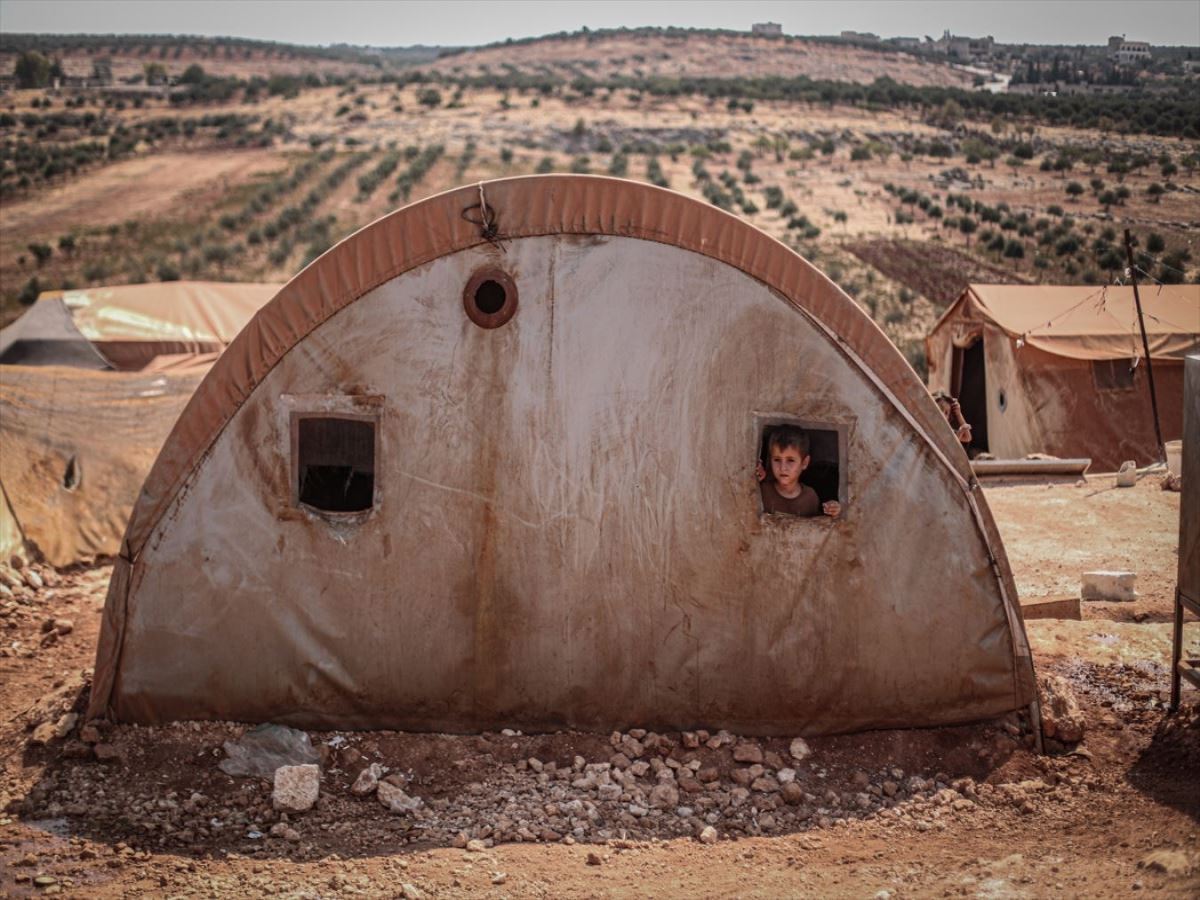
point(770, 28)
point(1132, 52)
point(962, 48)
point(905, 43)
point(860, 36)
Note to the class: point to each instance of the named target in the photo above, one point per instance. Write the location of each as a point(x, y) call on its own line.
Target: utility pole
point(1162, 450)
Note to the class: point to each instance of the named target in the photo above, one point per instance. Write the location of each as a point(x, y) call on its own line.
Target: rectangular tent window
point(335, 462)
point(1112, 374)
point(826, 473)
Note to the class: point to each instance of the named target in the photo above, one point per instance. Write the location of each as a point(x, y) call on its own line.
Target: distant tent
point(47, 335)
point(491, 462)
point(1059, 369)
point(127, 327)
point(76, 439)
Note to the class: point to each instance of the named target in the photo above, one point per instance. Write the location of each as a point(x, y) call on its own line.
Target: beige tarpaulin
point(75, 446)
point(130, 325)
point(56, 415)
point(1062, 367)
point(563, 526)
point(1089, 321)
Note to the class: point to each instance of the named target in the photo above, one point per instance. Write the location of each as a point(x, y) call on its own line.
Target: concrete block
point(1051, 608)
point(1110, 586)
point(1127, 474)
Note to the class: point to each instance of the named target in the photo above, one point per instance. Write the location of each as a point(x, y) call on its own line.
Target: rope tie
point(487, 219)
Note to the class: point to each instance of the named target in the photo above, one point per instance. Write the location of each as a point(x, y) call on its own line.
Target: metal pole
point(1162, 450)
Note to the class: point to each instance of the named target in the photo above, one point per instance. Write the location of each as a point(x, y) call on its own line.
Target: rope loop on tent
point(487, 220)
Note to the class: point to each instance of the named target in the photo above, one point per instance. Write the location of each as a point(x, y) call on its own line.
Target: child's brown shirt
point(806, 504)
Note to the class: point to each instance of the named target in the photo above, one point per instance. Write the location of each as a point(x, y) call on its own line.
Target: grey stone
point(396, 800)
point(367, 781)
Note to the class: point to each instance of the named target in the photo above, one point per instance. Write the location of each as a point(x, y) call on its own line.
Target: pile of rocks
point(491, 789)
point(23, 588)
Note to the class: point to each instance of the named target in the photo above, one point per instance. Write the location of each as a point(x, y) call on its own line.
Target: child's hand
point(964, 433)
point(759, 472)
point(831, 508)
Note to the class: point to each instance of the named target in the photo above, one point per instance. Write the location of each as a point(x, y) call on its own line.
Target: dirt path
point(1055, 532)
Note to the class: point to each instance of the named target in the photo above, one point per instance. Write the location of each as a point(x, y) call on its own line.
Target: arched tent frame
point(493, 213)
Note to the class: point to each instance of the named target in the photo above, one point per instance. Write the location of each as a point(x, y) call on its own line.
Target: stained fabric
point(566, 529)
point(1079, 386)
point(75, 447)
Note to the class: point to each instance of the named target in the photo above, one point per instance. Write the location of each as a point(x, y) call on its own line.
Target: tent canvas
point(1058, 369)
point(547, 396)
point(127, 326)
point(46, 335)
point(76, 437)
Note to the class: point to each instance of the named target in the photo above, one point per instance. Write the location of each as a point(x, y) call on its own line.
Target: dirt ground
point(965, 811)
point(145, 186)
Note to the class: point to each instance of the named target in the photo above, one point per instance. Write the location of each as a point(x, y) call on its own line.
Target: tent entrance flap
point(969, 385)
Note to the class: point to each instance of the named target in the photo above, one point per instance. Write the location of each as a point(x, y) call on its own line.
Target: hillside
point(648, 53)
point(129, 55)
point(901, 194)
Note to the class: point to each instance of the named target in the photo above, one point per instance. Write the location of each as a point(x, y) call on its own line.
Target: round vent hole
point(490, 297)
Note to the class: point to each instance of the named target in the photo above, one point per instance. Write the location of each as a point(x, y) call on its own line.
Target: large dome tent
point(489, 462)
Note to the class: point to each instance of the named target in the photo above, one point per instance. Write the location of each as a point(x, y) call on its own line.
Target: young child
point(953, 412)
point(787, 451)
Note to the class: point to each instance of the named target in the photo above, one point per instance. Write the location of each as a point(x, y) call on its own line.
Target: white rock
point(708, 835)
point(367, 780)
point(785, 775)
point(799, 749)
point(396, 800)
point(1109, 585)
point(65, 725)
point(296, 788)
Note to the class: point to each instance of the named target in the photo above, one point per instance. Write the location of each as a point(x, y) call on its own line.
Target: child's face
point(786, 466)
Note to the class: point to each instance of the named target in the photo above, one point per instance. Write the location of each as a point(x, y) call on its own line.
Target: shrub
point(1068, 246)
point(430, 97)
point(654, 173)
point(41, 252)
point(1014, 250)
point(1155, 242)
point(29, 292)
point(167, 272)
point(545, 166)
point(1074, 188)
